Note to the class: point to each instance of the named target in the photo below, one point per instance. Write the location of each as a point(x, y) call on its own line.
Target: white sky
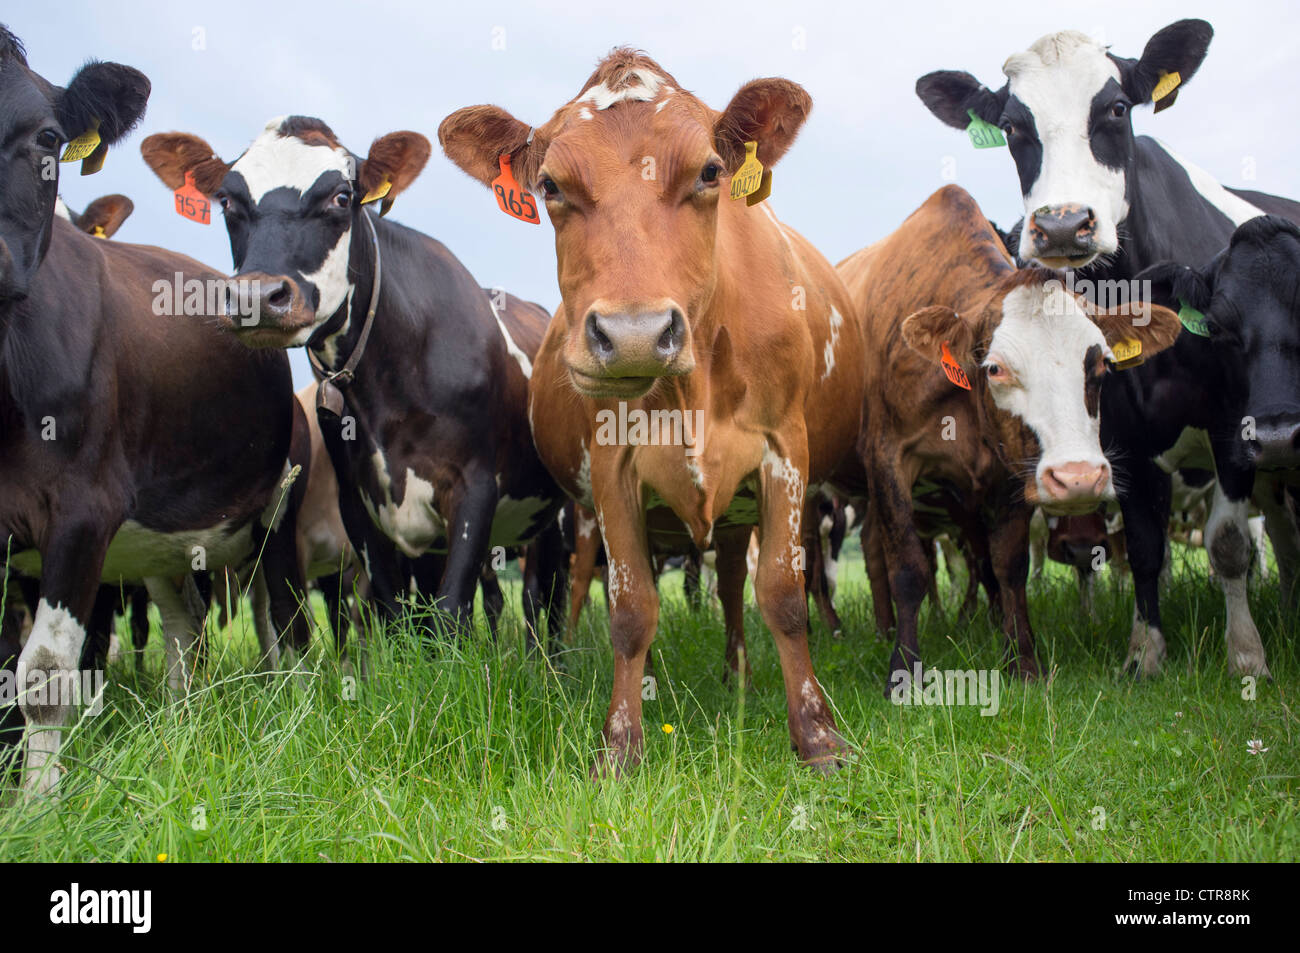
point(868, 156)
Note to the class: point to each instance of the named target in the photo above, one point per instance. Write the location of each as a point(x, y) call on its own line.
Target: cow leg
point(99, 630)
point(908, 580)
point(732, 573)
point(553, 577)
point(494, 600)
point(818, 573)
point(1087, 581)
point(633, 619)
point(1146, 520)
point(691, 581)
point(1281, 524)
point(180, 627)
point(583, 565)
point(139, 624)
point(285, 586)
point(331, 590)
point(1227, 538)
point(1008, 542)
point(873, 555)
point(46, 678)
point(469, 529)
point(779, 590)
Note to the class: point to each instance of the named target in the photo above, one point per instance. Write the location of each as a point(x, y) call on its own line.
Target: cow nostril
point(279, 297)
point(670, 341)
point(597, 339)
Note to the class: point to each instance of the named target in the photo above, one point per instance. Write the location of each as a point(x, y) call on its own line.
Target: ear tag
point(763, 191)
point(193, 204)
point(378, 192)
point(983, 134)
point(749, 177)
point(95, 161)
point(513, 200)
point(1167, 83)
point(83, 145)
point(1193, 320)
point(1128, 353)
point(952, 369)
point(99, 232)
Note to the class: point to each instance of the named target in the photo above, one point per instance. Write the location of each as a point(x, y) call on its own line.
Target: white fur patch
point(414, 524)
point(640, 85)
point(1236, 209)
point(274, 161)
point(520, 357)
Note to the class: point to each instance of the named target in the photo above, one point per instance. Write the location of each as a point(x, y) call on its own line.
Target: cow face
point(1040, 358)
point(1250, 296)
point(1065, 111)
point(36, 120)
point(631, 172)
point(292, 203)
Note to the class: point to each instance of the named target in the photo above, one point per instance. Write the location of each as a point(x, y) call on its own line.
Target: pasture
point(476, 752)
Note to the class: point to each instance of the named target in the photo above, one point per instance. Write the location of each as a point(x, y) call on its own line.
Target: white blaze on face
point(273, 162)
point(636, 85)
point(1056, 80)
point(1042, 340)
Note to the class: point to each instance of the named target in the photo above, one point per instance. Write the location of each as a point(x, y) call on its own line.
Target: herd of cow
point(947, 380)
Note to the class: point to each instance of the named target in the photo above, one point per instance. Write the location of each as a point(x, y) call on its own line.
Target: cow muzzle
point(1277, 442)
point(622, 353)
point(1073, 488)
point(267, 310)
point(1063, 236)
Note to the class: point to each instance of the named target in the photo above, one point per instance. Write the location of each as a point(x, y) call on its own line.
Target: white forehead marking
point(636, 85)
point(274, 161)
point(1043, 338)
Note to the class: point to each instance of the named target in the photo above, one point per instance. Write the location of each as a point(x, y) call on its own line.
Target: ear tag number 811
point(513, 200)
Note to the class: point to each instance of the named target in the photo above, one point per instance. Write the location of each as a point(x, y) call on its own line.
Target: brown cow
point(977, 459)
point(705, 312)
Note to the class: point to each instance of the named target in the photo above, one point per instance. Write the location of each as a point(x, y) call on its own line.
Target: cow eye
point(48, 139)
point(343, 199)
point(709, 174)
point(223, 200)
point(549, 188)
point(1008, 128)
point(997, 372)
point(1119, 110)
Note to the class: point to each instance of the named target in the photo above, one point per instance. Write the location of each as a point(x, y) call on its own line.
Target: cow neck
point(329, 395)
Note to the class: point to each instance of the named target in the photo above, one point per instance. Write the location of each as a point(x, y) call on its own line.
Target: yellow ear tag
point(1128, 353)
point(764, 189)
point(378, 192)
point(82, 146)
point(1167, 84)
point(99, 232)
point(749, 176)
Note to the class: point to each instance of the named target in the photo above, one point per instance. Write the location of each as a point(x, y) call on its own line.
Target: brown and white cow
point(681, 302)
point(978, 459)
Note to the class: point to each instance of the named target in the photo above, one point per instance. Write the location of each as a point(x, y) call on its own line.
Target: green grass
point(477, 752)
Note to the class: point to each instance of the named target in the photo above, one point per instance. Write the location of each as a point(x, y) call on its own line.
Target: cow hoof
point(826, 755)
point(1026, 669)
point(614, 765)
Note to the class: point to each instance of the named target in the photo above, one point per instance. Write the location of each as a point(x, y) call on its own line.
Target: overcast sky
point(869, 154)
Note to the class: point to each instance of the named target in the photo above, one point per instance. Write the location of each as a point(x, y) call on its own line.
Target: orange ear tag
point(193, 204)
point(513, 200)
point(952, 369)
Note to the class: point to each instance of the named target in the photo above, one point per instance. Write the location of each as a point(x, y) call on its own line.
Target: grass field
point(477, 752)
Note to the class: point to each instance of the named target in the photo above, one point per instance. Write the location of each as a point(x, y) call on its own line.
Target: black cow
point(131, 444)
point(1087, 181)
point(434, 447)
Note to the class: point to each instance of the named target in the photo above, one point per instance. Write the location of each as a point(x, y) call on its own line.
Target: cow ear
point(394, 162)
point(1178, 48)
point(1155, 326)
point(769, 112)
point(1170, 282)
point(476, 137)
point(107, 98)
point(927, 330)
point(949, 93)
point(105, 215)
point(172, 154)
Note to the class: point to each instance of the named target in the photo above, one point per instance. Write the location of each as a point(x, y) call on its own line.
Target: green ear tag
point(983, 134)
point(1193, 320)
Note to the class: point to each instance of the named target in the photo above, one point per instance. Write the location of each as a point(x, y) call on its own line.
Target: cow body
point(685, 307)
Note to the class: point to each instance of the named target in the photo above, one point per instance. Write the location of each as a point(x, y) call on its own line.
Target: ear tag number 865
point(513, 200)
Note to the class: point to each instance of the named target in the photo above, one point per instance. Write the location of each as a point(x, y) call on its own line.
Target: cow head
point(1066, 113)
point(631, 171)
point(36, 120)
point(292, 203)
point(1250, 297)
point(1039, 354)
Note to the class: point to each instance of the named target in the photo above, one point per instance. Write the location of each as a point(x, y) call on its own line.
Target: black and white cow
point(127, 438)
point(434, 451)
point(1109, 204)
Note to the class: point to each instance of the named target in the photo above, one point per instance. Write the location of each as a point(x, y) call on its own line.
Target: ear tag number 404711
point(952, 369)
point(983, 134)
point(193, 204)
point(751, 181)
point(513, 200)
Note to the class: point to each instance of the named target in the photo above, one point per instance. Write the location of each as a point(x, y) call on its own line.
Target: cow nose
point(640, 344)
point(1277, 442)
point(1063, 231)
point(258, 299)
point(1075, 482)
